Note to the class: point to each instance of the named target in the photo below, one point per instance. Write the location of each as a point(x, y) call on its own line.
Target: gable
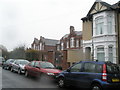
point(99, 7)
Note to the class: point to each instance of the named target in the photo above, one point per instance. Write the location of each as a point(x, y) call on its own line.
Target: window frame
point(99, 23)
point(80, 68)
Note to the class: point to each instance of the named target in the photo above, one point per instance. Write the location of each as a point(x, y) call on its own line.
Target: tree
point(4, 52)
point(32, 54)
point(18, 53)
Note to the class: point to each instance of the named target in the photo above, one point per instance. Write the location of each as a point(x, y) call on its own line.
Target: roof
point(36, 40)
point(78, 32)
point(65, 36)
point(108, 8)
point(102, 3)
point(51, 42)
point(116, 5)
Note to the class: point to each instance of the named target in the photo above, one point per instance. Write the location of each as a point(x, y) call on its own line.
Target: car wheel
point(96, 87)
point(26, 73)
point(7, 68)
point(61, 82)
point(19, 71)
point(3, 67)
point(11, 69)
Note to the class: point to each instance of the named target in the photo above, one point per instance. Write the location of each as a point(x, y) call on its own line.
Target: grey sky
point(22, 20)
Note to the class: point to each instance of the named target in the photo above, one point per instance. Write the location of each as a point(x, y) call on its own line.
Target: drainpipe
point(92, 41)
point(118, 36)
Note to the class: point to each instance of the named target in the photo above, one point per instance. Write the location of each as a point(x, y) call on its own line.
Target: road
point(14, 80)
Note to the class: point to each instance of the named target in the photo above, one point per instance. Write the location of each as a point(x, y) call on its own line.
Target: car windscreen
point(12, 61)
point(46, 65)
point(113, 68)
point(24, 62)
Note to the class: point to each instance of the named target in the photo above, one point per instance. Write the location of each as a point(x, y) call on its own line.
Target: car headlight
point(22, 67)
point(50, 74)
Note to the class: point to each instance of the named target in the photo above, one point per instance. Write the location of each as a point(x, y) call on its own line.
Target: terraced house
point(63, 52)
point(101, 32)
point(44, 45)
point(69, 48)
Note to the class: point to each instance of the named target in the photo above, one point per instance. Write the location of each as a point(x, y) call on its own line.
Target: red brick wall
point(51, 57)
point(50, 48)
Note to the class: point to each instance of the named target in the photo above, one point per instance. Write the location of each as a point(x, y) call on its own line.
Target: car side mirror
point(68, 70)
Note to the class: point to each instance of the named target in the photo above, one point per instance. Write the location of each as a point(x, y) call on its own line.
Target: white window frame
point(101, 50)
point(58, 47)
point(62, 45)
point(67, 44)
point(99, 22)
point(110, 53)
point(109, 26)
point(72, 42)
point(40, 46)
point(77, 43)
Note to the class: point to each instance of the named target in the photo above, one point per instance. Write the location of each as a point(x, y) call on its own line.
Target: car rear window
point(113, 68)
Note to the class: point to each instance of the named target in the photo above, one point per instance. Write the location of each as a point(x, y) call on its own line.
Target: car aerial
point(7, 64)
point(18, 65)
point(40, 68)
point(96, 75)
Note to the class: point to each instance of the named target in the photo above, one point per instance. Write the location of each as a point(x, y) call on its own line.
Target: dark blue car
point(95, 75)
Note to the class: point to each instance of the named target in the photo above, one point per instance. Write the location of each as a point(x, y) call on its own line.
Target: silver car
point(18, 66)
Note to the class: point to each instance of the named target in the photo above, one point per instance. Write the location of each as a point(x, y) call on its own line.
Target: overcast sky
point(23, 20)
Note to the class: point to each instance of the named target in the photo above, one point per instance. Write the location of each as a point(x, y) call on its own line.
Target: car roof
point(97, 62)
point(42, 61)
point(21, 60)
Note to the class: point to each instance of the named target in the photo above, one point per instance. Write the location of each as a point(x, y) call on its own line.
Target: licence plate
point(115, 80)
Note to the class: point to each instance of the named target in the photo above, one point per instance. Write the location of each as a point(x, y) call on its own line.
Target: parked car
point(7, 64)
point(18, 66)
point(41, 68)
point(96, 75)
point(2, 60)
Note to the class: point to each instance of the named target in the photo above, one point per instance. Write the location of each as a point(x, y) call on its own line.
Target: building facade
point(63, 52)
point(44, 45)
point(69, 48)
point(100, 32)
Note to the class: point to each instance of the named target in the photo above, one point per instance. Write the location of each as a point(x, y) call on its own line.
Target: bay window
point(99, 25)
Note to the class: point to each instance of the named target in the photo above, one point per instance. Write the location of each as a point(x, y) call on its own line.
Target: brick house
point(63, 52)
point(101, 32)
point(44, 45)
point(69, 49)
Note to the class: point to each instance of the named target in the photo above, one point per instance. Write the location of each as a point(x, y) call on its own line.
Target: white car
point(18, 65)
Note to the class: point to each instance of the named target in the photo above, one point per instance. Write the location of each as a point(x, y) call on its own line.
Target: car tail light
point(104, 74)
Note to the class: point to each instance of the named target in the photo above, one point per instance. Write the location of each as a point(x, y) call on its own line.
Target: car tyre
point(61, 83)
point(11, 69)
point(19, 71)
point(7, 68)
point(3, 67)
point(96, 87)
point(26, 74)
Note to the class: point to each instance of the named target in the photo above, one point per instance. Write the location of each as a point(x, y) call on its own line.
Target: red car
point(38, 68)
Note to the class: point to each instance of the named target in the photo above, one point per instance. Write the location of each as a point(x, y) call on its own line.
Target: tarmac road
point(14, 80)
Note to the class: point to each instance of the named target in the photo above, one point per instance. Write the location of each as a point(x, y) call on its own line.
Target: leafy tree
point(4, 52)
point(32, 54)
point(18, 53)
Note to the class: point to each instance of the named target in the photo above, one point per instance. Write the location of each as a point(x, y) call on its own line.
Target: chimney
point(71, 29)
